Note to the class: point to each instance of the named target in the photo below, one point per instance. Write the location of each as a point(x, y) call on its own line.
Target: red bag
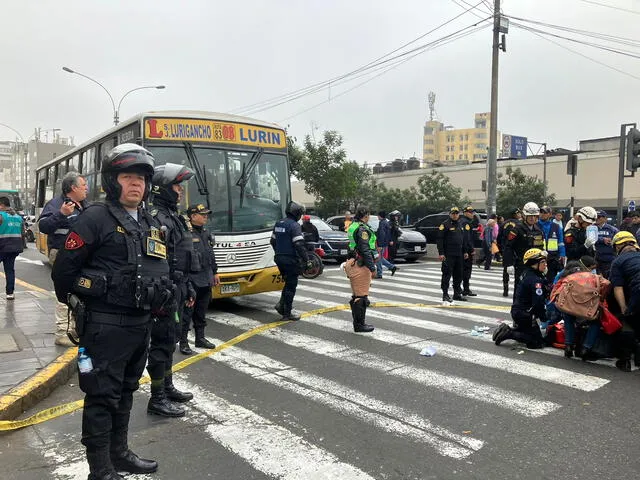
point(610, 323)
point(555, 335)
point(580, 294)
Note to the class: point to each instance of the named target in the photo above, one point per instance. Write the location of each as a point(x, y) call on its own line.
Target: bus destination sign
point(190, 130)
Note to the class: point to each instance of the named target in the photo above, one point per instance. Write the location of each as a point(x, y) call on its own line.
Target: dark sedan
point(411, 244)
point(334, 243)
point(428, 226)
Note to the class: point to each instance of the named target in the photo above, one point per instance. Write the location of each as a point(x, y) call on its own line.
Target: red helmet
point(306, 218)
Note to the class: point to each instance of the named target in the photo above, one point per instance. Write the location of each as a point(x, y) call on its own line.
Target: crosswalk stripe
point(516, 402)
point(490, 284)
point(558, 376)
point(390, 418)
point(266, 446)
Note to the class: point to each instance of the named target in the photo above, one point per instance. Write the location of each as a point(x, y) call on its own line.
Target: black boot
point(159, 404)
point(469, 293)
point(505, 291)
point(446, 297)
point(185, 349)
point(503, 333)
point(279, 307)
point(358, 312)
point(459, 297)
point(100, 466)
point(569, 351)
point(201, 340)
point(124, 460)
point(173, 393)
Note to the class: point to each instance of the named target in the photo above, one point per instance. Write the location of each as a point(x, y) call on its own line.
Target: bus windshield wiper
point(200, 174)
point(247, 170)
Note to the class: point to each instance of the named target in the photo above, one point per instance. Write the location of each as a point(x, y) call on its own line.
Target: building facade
point(448, 146)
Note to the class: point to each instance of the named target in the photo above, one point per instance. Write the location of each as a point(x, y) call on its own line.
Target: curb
point(38, 386)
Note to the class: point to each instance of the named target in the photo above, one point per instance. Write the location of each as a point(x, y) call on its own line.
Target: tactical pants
point(520, 269)
point(467, 268)
point(197, 313)
point(164, 334)
point(117, 345)
point(290, 270)
point(526, 330)
point(553, 266)
point(452, 266)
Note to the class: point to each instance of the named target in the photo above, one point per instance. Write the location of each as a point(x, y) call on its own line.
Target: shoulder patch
point(512, 235)
point(441, 227)
point(73, 242)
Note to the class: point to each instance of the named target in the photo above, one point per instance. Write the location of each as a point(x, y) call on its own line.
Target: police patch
point(119, 229)
point(84, 282)
point(512, 235)
point(364, 236)
point(466, 227)
point(73, 242)
point(441, 227)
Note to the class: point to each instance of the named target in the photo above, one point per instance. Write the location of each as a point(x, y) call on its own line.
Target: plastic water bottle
point(85, 365)
point(592, 234)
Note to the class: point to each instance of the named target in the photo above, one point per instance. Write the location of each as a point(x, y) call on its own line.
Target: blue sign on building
point(514, 147)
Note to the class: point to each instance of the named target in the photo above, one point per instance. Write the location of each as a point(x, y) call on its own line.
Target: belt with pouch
point(118, 319)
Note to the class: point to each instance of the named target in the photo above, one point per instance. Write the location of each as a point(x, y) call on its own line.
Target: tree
point(437, 193)
point(336, 182)
point(515, 189)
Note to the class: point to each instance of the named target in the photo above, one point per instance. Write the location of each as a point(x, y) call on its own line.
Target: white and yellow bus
point(242, 174)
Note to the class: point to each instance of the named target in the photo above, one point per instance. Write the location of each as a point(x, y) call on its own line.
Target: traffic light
point(633, 149)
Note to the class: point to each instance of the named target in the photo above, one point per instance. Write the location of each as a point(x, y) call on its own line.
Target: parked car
point(334, 243)
point(428, 226)
point(411, 244)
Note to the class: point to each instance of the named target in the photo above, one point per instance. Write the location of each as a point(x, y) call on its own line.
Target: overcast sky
point(221, 55)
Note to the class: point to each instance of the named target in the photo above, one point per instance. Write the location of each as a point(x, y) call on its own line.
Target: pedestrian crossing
point(301, 400)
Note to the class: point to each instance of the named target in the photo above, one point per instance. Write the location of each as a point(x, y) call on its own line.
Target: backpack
point(555, 335)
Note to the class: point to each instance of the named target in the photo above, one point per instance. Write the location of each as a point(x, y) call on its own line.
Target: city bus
point(241, 174)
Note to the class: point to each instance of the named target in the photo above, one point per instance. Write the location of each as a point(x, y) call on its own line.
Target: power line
point(347, 78)
point(470, 10)
point(387, 69)
point(582, 54)
point(327, 83)
point(581, 42)
point(611, 6)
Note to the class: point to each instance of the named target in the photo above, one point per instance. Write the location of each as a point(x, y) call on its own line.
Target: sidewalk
point(27, 346)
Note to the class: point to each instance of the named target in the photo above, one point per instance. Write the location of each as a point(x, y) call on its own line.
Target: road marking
point(347, 401)
point(267, 447)
point(519, 403)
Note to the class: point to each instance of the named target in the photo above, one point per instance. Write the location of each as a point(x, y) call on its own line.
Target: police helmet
point(530, 208)
point(534, 255)
point(624, 237)
point(125, 158)
point(167, 175)
point(295, 210)
point(588, 215)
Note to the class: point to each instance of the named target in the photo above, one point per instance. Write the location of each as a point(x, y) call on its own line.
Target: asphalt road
point(313, 400)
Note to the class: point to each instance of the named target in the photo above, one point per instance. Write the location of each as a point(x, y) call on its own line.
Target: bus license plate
point(417, 249)
point(230, 288)
point(343, 252)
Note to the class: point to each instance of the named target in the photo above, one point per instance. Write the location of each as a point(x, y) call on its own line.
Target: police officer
point(625, 277)
point(361, 267)
point(290, 257)
point(470, 219)
point(203, 276)
point(114, 262)
point(166, 193)
point(523, 236)
point(553, 243)
point(505, 228)
point(529, 303)
point(453, 247)
point(309, 230)
point(575, 238)
point(605, 252)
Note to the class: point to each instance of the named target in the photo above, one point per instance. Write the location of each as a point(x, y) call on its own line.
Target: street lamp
point(116, 111)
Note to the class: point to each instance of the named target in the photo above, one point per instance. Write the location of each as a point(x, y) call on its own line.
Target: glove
point(511, 270)
point(589, 243)
point(309, 265)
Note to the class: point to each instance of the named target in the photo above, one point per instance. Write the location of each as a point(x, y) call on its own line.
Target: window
point(460, 157)
point(74, 164)
point(106, 146)
point(89, 161)
point(481, 135)
point(466, 136)
point(465, 157)
point(461, 137)
point(429, 151)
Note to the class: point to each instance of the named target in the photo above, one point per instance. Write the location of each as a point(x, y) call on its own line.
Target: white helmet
point(588, 215)
point(530, 208)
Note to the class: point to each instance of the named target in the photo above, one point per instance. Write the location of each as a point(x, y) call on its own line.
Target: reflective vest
point(551, 244)
point(352, 231)
point(11, 233)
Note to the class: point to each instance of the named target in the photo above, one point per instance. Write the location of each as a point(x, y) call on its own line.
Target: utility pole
point(492, 161)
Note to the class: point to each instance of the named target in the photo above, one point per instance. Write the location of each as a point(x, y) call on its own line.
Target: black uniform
point(117, 267)
point(505, 228)
point(167, 328)
point(201, 276)
point(574, 239)
point(529, 303)
point(518, 239)
point(467, 263)
point(290, 257)
point(310, 232)
point(453, 242)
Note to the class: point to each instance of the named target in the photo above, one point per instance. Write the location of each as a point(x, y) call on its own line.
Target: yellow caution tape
point(66, 408)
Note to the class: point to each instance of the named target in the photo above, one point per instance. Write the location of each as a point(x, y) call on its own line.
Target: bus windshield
point(251, 204)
